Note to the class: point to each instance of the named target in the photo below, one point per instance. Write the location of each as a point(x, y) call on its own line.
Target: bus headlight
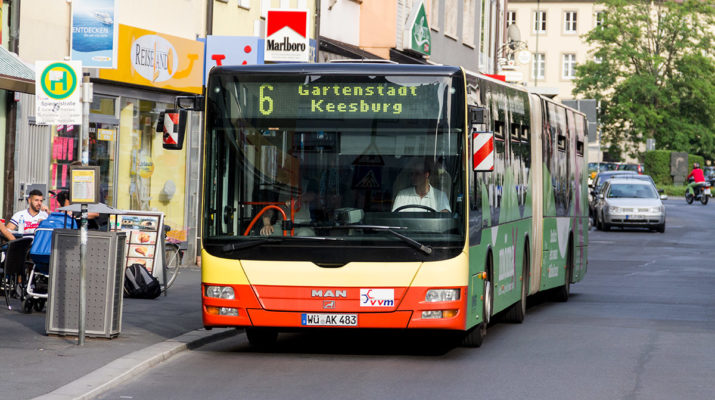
point(442, 295)
point(437, 314)
point(220, 292)
point(226, 311)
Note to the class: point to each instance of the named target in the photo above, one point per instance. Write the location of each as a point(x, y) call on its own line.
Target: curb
point(131, 365)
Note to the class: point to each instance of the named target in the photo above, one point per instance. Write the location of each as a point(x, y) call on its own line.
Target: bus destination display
point(340, 101)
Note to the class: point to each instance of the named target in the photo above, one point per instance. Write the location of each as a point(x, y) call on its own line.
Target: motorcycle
point(701, 192)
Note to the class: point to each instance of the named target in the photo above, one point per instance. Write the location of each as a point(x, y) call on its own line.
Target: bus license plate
point(329, 319)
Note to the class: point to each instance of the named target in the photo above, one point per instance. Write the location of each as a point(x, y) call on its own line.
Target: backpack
point(42, 243)
point(140, 284)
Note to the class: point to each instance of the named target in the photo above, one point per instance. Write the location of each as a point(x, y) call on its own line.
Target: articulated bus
point(385, 196)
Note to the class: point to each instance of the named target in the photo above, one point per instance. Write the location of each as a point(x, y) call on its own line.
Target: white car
point(628, 202)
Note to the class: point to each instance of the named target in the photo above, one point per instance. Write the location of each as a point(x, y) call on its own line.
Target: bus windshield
point(308, 166)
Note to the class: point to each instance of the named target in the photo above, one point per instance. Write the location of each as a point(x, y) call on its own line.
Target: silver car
point(629, 202)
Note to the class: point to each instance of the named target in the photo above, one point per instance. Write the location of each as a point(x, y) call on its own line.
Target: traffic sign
point(57, 85)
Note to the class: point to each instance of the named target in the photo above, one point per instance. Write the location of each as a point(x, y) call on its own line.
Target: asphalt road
point(640, 326)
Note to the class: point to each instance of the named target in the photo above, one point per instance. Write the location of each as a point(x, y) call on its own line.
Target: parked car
point(709, 173)
point(597, 184)
point(628, 202)
point(637, 168)
point(595, 167)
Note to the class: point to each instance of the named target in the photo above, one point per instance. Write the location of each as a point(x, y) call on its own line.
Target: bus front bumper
point(412, 312)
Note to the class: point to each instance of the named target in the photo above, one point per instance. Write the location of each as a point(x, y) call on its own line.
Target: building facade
point(136, 172)
point(551, 47)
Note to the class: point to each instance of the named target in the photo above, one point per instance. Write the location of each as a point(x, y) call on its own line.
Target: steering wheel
point(430, 209)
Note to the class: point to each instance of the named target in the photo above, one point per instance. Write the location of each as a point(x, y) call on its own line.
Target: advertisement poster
point(94, 33)
point(287, 36)
point(144, 238)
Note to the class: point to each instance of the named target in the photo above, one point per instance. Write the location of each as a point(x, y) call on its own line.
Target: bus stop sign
point(57, 87)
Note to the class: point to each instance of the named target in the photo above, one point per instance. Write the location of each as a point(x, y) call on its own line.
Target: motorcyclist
point(698, 178)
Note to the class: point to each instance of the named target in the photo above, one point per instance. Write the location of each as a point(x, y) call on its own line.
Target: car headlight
point(614, 210)
point(442, 295)
point(220, 292)
point(658, 209)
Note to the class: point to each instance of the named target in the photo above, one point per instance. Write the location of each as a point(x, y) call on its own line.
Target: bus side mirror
point(172, 125)
point(191, 103)
point(483, 151)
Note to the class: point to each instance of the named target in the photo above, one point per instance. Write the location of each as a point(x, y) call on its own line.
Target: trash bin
point(104, 283)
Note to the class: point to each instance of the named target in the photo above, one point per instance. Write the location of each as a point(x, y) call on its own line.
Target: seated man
point(421, 193)
point(26, 220)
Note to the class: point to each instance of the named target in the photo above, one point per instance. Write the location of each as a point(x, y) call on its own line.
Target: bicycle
point(173, 255)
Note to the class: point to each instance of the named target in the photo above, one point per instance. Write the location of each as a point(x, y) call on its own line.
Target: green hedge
point(695, 159)
point(656, 163)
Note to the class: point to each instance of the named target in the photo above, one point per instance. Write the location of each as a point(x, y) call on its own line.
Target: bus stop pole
point(84, 143)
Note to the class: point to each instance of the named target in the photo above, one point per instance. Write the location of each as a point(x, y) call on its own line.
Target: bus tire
point(475, 336)
point(562, 293)
point(262, 338)
point(517, 311)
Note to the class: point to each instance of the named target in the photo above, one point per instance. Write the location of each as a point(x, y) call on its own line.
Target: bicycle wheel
point(172, 261)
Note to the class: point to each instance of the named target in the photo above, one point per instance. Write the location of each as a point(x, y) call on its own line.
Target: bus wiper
point(252, 243)
point(389, 229)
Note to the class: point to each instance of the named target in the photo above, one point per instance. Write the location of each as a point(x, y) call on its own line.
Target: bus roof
point(340, 68)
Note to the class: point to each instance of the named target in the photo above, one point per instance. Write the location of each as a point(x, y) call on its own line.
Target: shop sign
point(157, 60)
point(417, 36)
point(94, 33)
point(57, 91)
point(105, 134)
point(287, 36)
point(232, 50)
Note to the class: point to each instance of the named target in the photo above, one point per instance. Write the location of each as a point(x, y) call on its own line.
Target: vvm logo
point(377, 297)
point(58, 81)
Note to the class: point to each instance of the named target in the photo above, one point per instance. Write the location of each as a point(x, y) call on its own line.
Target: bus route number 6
point(265, 104)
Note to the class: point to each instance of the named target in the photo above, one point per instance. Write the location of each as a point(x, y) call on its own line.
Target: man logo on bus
point(377, 297)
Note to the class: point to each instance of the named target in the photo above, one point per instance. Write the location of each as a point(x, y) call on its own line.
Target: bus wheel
point(517, 311)
point(262, 338)
point(562, 293)
point(475, 336)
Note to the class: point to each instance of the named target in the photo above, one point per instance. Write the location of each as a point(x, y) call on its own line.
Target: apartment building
point(551, 45)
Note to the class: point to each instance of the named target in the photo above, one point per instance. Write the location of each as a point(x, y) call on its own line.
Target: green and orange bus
point(303, 167)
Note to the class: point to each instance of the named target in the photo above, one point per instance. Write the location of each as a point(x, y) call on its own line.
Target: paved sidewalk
point(55, 367)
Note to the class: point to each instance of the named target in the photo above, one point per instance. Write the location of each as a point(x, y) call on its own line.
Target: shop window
point(150, 177)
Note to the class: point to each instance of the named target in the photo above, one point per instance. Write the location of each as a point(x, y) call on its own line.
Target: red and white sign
point(171, 134)
point(483, 151)
point(287, 36)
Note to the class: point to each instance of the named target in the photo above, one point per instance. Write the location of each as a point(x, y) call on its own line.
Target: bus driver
point(421, 193)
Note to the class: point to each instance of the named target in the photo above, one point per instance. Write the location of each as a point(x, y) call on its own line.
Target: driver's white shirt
point(434, 199)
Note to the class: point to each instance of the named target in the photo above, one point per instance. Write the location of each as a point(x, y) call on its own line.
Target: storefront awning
point(15, 75)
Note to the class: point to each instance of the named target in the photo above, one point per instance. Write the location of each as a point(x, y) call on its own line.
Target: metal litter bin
point(105, 283)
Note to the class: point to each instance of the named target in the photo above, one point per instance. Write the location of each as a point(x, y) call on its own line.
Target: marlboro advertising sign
point(287, 36)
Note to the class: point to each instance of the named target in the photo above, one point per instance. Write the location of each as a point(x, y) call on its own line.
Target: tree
point(653, 74)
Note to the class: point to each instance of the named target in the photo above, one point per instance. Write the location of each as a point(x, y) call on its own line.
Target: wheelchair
point(13, 281)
